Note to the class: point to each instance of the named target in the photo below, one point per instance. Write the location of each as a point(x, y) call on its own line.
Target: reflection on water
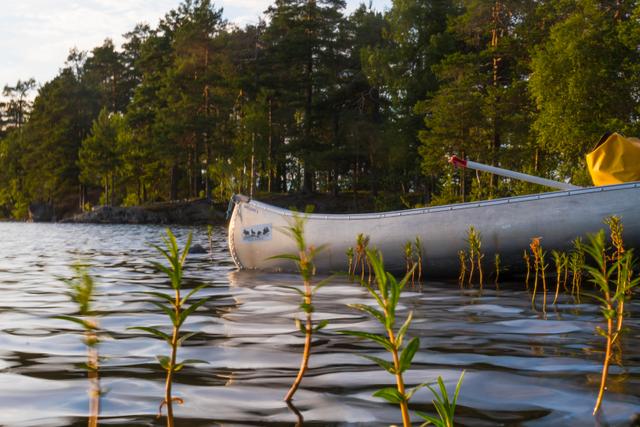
point(521, 368)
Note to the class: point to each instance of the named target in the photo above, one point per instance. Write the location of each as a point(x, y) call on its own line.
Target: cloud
point(36, 35)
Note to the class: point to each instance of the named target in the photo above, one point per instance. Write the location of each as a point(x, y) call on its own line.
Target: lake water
point(522, 368)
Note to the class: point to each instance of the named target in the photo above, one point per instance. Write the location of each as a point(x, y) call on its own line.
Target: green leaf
point(430, 420)
point(394, 292)
point(168, 310)
point(299, 291)
point(193, 291)
point(167, 297)
point(387, 366)
point(407, 354)
point(321, 325)
point(84, 323)
point(406, 277)
point(164, 362)
point(390, 394)
point(457, 392)
point(383, 341)
point(443, 392)
point(185, 337)
point(403, 329)
point(163, 252)
point(163, 268)
point(193, 307)
point(301, 327)
point(370, 310)
point(153, 331)
point(323, 283)
point(306, 307)
point(187, 362)
point(185, 250)
point(413, 390)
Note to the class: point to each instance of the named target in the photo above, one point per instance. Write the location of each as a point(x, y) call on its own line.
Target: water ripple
point(522, 367)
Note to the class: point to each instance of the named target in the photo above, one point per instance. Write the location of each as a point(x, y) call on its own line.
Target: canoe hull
point(506, 227)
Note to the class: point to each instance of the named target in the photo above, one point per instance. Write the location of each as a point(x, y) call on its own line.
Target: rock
point(192, 212)
point(41, 212)
point(197, 249)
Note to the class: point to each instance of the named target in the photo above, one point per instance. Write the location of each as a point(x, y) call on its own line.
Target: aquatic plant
point(474, 240)
point(351, 268)
point(462, 257)
point(615, 227)
point(445, 406)
point(177, 310)
point(409, 262)
point(419, 256)
point(82, 287)
point(561, 261)
point(527, 261)
point(210, 239)
point(362, 262)
point(576, 265)
point(387, 296)
point(612, 273)
point(496, 263)
point(413, 259)
point(539, 269)
point(304, 262)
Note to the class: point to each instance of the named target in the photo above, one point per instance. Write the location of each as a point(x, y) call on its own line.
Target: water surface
point(522, 367)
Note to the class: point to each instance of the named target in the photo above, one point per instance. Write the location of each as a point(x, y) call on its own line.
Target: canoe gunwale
point(421, 211)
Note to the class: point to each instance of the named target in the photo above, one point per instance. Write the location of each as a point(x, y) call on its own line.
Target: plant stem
point(94, 381)
point(535, 284)
point(607, 358)
point(544, 286)
point(308, 327)
point(172, 363)
point(526, 260)
point(471, 266)
point(167, 393)
point(404, 407)
point(479, 269)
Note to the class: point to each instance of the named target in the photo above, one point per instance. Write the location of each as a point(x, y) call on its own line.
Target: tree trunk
point(174, 182)
point(270, 163)
point(308, 178)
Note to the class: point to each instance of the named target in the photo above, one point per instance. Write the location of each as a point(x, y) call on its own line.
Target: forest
point(315, 100)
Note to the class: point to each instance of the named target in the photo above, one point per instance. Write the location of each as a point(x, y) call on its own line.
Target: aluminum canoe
point(506, 225)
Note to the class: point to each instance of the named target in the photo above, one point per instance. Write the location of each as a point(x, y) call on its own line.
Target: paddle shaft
point(456, 161)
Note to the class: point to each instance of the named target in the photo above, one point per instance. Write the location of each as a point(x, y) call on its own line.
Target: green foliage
point(445, 406)
point(612, 273)
point(100, 155)
point(386, 293)
point(576, 265)
point(81, 291)
point(313, 99)
point(474, 241)
point(586, 53)
point(387, 296)
point(304, 262)
point(177, 308)
point(561, 261)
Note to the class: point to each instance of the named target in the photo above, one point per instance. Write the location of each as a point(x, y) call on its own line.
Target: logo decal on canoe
point(256, 233)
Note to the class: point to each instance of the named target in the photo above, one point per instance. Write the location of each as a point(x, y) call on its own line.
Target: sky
point(36, 35)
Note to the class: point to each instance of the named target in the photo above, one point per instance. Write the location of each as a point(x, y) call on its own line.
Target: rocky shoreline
point(197, 212)
point(200, 211)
